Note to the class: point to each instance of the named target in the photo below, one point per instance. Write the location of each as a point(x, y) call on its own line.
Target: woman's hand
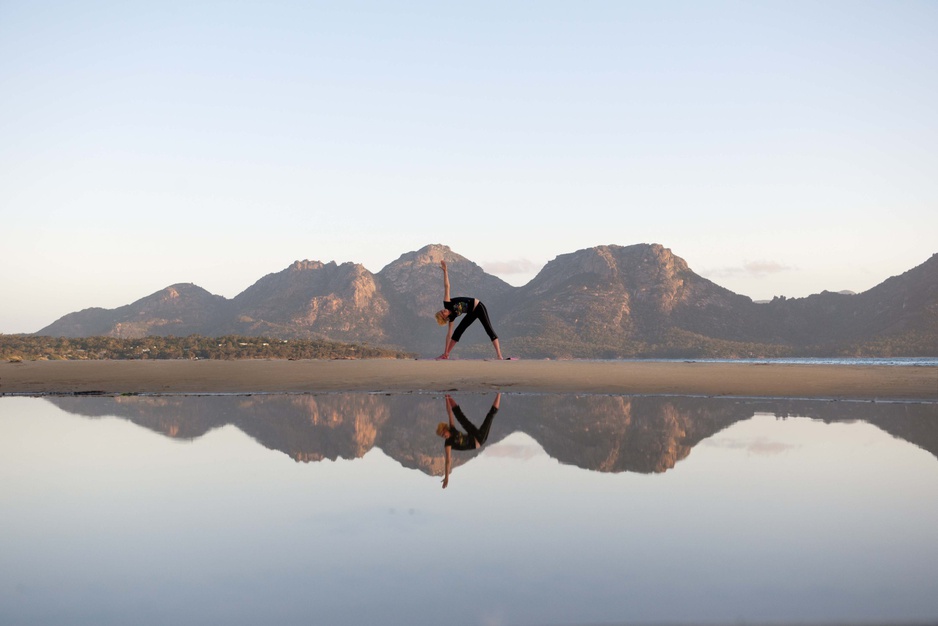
point(443, 265)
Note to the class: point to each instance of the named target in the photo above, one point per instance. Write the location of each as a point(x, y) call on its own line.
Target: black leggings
point(479, 313)
point(479, 434)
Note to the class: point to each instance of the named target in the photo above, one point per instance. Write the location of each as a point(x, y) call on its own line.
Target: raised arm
point(447, 457)
point(447, 466)
point(450, 403)
point(449, 325)
point(445, 282)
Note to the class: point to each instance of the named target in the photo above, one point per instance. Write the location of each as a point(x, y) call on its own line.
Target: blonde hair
point(441, 428)
point(440, 318)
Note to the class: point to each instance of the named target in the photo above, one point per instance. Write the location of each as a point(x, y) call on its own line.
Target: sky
point(780, 148)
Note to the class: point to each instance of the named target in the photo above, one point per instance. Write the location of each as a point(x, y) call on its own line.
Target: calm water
point(328, 509)
point(890, 361)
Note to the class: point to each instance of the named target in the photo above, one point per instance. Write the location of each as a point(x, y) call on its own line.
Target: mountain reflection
point(594, 432)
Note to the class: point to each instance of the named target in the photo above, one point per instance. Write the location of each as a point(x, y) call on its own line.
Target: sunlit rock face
point(314, 299)
point(180, 309)
point(614, 298)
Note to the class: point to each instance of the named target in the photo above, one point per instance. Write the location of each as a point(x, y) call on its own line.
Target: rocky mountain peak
point(419, 273)
point(429, 255)
point(436, 252)
point(174, 296)
point(306, 265)
point(629, 265)
point(182, 291)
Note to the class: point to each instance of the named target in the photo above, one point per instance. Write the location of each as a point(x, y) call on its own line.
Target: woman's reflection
point(470, 440)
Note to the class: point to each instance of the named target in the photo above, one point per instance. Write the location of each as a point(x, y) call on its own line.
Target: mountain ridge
point(607, 301)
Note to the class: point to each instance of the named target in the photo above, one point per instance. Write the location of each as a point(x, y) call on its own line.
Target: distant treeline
point(674, 344)
point(32, 347)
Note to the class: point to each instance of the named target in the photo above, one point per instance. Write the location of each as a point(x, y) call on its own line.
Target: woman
point(453, 308)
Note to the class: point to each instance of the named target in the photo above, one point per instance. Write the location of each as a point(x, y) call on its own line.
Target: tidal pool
point(592, 509)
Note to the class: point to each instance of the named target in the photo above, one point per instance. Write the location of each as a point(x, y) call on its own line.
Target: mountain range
point(601, 302)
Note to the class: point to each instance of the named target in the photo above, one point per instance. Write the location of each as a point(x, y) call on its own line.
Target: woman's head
point(442, 429)
point(441, 317)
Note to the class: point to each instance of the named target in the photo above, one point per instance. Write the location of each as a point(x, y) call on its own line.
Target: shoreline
point(720, 379)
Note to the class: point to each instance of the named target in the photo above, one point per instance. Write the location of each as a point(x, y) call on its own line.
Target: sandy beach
point(536, 376)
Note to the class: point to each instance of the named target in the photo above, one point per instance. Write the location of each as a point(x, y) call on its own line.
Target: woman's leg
point(479, 434)
point(464, 422)
point(483, 314)
point(467, 319)
point(483, 432)
point(478, 313)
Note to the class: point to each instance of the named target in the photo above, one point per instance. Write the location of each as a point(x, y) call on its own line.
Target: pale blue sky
point(781, 148)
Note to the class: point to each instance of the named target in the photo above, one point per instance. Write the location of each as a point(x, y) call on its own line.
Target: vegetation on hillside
point(672, 344)
point(32, 347)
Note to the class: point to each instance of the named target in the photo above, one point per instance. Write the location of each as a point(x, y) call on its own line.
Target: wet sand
point(538, 376)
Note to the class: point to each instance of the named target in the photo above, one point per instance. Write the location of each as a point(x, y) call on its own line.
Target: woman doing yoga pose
point(453, 308)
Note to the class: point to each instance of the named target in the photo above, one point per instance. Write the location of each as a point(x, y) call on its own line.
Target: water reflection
point(576, 510)
point(472, 439)
point(594, 432)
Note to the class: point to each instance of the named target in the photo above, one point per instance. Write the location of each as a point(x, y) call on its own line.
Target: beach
point(858, 382)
